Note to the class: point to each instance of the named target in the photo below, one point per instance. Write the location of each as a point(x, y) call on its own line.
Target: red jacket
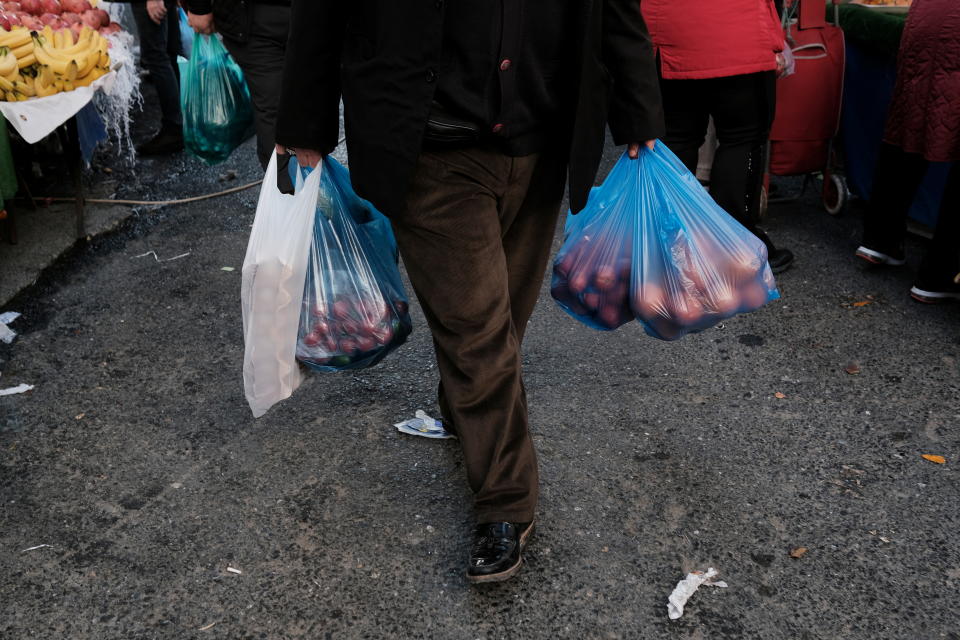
point(924, 116)
point(713, 38)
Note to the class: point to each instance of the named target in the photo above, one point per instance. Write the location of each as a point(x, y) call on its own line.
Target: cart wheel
point(835, 194)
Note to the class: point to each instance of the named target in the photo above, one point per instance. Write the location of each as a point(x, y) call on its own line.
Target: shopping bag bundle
point(652, 245)
point(354, 308)
point(215, 100)
point(320, 284)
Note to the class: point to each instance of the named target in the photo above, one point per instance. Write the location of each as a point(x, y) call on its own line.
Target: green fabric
point(8, 177)
point(873, 31)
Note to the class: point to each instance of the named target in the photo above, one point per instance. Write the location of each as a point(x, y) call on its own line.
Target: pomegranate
point(75, 6)
point(91, 18)
point(33, 7)
point(50, 6)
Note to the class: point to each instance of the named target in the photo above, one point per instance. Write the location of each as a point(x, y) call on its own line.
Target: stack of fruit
point(49, 46)
point(58, 14)
point(47, 62)
point(351, 331)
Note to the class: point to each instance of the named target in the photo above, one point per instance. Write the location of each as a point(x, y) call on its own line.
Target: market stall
point(872, 35)
point(59, 65)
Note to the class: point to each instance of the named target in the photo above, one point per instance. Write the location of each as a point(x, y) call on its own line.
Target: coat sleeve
point(198, 7)
point(309, 113)
point(636, 113)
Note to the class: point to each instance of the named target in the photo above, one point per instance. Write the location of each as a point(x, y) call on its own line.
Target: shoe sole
point(932, 297)
point(506, 574)
point(875, 257)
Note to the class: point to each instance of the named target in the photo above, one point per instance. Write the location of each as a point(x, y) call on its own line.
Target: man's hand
point(633, 149)
point(202, 24)
point(156, 10)
point(305, 157)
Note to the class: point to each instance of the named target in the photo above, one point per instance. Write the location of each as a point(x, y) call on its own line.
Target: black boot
point(779, 259)
point(497, 548)
point(168, 140)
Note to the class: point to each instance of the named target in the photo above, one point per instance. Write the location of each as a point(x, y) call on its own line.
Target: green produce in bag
point(217, 112)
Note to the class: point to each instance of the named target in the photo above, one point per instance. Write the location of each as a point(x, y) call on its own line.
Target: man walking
point(255, 34)
point(463, 119)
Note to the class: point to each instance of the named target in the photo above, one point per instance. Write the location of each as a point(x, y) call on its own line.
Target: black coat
point(380, 55)
point(232, 18)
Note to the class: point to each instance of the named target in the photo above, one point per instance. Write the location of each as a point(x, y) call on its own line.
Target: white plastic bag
point(271, 292)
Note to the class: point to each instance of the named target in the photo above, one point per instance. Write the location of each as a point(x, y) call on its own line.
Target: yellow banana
point(6, 85)
point(88, 79)
point(25, 87)
point(68, 85)
point(20, 97)
point(47, 34)
point(45, 76)
point(43, 92)
point(15, 37)
point(26, 61)
point(85, 65)
point(8, 62)
point(65, 68)
point(69, 53)
point(24, 49)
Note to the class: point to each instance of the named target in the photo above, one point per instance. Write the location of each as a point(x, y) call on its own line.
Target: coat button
point(431, 75)
point(505, 64)
point(497, 128)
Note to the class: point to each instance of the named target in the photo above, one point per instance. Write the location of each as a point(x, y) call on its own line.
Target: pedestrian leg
point(451, 240)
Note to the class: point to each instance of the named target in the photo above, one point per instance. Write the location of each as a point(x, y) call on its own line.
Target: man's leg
point(529, 221)
point(896, 180)
point(156, 59)
point(451, 239)
point(260, 57)
point(687, 115)
point(941, 263)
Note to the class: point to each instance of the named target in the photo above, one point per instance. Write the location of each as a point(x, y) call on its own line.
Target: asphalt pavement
point(164, 510)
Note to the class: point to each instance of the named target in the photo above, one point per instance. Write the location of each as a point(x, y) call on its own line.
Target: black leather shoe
point(497, 550)
point(168, 140)
point(780, 260)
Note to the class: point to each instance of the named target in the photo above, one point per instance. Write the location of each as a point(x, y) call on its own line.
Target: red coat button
point(505, 64)
point(497, 128)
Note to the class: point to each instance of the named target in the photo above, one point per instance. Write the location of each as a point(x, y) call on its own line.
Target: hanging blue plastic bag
point(355, 310)
point(652, 245)
point(186, 34)
point(217, 112)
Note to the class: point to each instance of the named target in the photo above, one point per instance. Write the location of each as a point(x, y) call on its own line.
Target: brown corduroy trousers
point(475, 239)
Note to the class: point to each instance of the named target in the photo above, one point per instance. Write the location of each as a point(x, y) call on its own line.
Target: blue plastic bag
point(186, 34)
point(217, 112)
point(652, 245)
point(355, 310)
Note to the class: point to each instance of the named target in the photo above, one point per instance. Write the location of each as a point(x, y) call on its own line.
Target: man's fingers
point(651, 144)
point(633, 150)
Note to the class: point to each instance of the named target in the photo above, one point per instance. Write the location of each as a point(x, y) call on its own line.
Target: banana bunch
point(40, 64)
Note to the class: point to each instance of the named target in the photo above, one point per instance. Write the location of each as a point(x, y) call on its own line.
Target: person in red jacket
point(721, 59)
point(923, 126)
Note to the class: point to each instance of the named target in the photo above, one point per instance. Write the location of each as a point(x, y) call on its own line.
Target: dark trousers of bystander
point(261, 57)
point(475, 238)
point(159, 48)
point(742, 107)
point(896, 180)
